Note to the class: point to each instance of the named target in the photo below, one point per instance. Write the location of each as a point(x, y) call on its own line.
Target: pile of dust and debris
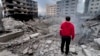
point(90, 38)
point(40, 38)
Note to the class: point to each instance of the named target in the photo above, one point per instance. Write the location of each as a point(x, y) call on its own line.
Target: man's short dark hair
point(68, 18)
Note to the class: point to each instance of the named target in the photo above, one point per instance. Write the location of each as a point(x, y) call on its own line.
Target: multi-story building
point(51, 10)
point(94, 7)
point(67, 7)
point(20, 8)
point(86, 6)
point(59, 8)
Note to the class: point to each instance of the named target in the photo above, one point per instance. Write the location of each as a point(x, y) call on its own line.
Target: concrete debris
point(35, 46)
point(87, 52)
point(26, 39)
point(39, 38)
point(97, 41)
point(30, 52)
point(90, 31)
point(31, 37)
point(54, 28)
point(7, 53)
point(49, 41)
point(34, 35)
point(83, 46)
point(73, 50)
point(26, 51)
point(10, 23)
point(9, 36)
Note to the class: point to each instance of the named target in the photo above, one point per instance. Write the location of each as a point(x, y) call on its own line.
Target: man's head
point(67, 18)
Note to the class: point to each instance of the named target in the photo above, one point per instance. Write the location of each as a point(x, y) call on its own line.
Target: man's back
point(67, 33)
point(67, 29)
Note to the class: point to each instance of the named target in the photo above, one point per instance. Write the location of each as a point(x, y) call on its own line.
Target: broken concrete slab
point(10, 23)
point(9, 36)
point(26, 39)
point(49, 41)
point(31, 37)
point(73, 50)
point(7, 53)
point(25, 51)
point(97, 41)
point(30, 52)
point(35, 46)
point(87, 52)
point(84, 46)
point(34, 35)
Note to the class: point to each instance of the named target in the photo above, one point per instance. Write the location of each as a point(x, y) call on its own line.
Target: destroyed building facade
point(93, 8)
point(25, 9)
point(67, 7)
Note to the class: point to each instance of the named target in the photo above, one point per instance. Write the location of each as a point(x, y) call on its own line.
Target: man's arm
point(61, 28)
point(73, 32)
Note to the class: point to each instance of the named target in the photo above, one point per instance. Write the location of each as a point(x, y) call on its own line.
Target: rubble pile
point(90, 40)
point(10, 24)
point(89, 51)
point(91, 31)
point(41, 38)
point(33, 32)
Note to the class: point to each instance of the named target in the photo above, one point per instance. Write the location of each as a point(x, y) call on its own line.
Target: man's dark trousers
point(67, 40)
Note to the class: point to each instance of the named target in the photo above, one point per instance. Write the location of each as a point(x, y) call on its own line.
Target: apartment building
point(25, 9)
point(94, 7)
point(86, 6)
point(67, 7)
point(59, 8)
point(51, 10)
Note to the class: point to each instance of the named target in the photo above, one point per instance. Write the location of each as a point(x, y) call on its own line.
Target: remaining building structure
point(94, 7)
point(20, 9)
point(59, 8)
point(67, 7)
point(51, 10)
point(86, 6)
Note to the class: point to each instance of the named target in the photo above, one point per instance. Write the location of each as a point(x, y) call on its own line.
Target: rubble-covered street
point(41, 38)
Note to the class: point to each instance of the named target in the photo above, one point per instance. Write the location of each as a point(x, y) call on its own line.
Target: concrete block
point(83, 46)
point(26, 39)
point(87, 52)
point(9, 36)
point(31, 36)
point(73, 50)
point(25, 51)
point(49, 41)
point(34, 35)
point(7, 53)
point(97, 41)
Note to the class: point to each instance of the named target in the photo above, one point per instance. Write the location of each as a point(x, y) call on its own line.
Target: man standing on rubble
point(67, 34)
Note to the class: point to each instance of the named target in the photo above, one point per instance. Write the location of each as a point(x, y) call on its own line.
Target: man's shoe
point(69, 54)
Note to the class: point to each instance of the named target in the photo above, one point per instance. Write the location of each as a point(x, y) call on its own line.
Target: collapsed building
point(25, 9)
